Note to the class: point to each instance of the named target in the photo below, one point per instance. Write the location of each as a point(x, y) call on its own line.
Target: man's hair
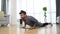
point(22, 12)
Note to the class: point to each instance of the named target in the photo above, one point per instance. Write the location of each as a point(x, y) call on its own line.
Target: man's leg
point(44, 24)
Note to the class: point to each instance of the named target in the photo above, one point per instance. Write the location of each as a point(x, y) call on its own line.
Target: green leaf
point(45, 9)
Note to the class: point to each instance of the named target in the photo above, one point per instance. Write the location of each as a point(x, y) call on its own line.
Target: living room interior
point(10, 18)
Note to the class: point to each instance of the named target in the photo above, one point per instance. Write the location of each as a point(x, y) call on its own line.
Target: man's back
point(32, 21)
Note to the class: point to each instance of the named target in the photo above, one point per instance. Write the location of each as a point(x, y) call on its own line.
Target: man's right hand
point(23, 26)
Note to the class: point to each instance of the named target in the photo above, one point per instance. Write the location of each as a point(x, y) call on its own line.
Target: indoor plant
point(45, 9)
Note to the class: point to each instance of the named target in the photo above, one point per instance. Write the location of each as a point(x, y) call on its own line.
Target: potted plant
point(45, 9)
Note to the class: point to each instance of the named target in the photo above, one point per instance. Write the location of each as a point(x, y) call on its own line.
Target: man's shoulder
point(30, 16)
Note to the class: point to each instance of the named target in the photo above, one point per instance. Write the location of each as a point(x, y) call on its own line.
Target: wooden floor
point(55, 29)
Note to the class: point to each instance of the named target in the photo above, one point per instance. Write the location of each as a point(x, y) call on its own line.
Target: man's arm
point(22, 24)
point(35, 21)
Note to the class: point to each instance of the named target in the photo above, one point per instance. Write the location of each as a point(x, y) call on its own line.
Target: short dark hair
point(22, 12)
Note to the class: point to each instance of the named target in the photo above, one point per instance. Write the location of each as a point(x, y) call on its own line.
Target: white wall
point(12, 12)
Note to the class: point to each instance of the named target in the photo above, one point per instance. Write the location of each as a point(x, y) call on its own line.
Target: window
point(34, 8)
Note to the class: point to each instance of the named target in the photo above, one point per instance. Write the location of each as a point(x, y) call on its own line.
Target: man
point(31, 21)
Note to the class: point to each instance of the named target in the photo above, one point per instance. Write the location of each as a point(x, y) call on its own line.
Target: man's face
point(23, 15)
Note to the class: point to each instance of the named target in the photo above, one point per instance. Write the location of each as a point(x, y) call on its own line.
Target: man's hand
point(23, 26)
point(33, 27)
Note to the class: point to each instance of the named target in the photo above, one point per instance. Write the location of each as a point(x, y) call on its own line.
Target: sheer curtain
point(34, 8)
point(0, 5)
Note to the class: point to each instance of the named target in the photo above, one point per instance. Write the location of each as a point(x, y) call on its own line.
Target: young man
point(31, 21)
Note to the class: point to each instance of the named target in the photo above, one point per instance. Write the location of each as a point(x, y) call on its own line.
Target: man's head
point(23, 14)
